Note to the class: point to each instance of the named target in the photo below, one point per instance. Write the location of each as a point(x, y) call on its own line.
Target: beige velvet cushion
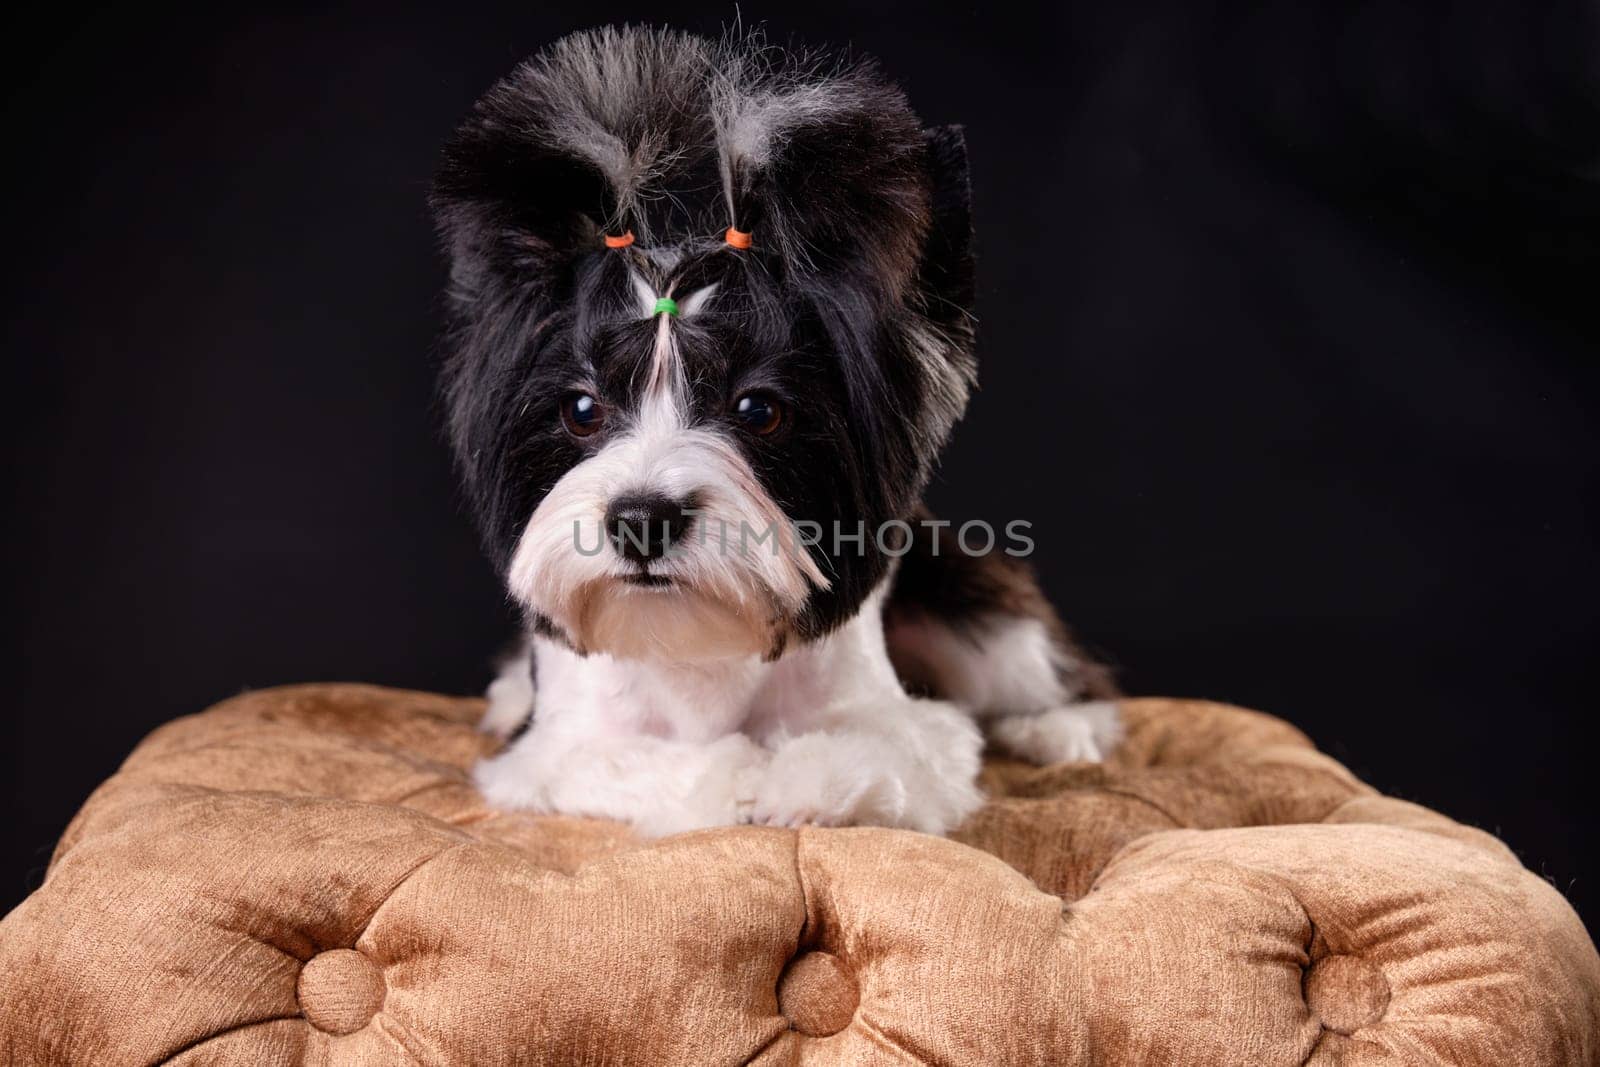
point(306, 875)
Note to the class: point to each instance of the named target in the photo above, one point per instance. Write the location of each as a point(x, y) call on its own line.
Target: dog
point(710, 325)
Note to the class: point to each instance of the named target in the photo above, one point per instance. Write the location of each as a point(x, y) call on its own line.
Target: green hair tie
point(666, 306)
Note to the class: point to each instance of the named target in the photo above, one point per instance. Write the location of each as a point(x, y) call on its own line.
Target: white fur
point(692, 304)
point(1072, 733)
point(645, 292)
point(948, 375)
point(510, 697)
point(823, 735)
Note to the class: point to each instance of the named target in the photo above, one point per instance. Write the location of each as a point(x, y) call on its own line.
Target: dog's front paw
point(661, 787)
point(857, 779)
point(915, 766)
point(1074, 733)
point(723, 793)
point(510, 782)
point(825, 779)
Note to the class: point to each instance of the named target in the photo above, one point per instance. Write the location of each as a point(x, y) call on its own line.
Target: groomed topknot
point(678, 139)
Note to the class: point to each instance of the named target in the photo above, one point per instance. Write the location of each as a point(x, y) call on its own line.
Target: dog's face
point(702, 476)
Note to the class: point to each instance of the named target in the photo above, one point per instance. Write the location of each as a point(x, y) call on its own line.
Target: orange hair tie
point(737, 238)
point(619, 242)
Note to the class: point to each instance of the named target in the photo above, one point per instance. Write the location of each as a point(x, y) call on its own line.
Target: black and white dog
point(711, 325)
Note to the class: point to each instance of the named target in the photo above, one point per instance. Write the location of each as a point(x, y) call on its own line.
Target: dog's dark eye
point(760, 412)
point(581, 414)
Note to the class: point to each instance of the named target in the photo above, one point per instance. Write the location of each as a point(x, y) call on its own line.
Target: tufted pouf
point(307, 875)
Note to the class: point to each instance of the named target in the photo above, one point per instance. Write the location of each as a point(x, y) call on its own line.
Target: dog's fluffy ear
point(947, 273)
point(827, 167)
point(566, 148)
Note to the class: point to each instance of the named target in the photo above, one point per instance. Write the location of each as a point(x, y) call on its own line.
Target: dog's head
point(710, 328)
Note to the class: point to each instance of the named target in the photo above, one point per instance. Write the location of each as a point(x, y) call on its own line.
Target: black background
point(1288, 334)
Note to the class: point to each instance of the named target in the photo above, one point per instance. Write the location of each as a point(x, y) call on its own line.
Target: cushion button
point(340, 991)
point(1346, 992)
point(817, 993)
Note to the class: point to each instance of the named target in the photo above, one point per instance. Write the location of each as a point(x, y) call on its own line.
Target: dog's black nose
point(643, 526)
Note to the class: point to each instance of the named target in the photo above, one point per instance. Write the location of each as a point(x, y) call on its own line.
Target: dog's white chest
point(679, 701)
point(701, 701)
